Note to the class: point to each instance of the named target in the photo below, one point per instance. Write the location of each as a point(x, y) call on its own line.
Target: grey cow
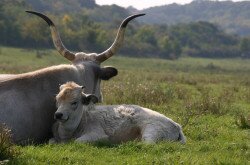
point(78, 119)
point(27, 100)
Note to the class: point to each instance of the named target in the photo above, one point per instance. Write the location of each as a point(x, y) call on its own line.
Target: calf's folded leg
point(93, 134)
point(92, 137)
point(149, 134)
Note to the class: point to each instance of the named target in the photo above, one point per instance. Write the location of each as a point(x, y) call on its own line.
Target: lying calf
point(78, 118)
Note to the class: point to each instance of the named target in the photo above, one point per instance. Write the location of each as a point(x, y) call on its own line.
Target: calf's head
point(89, 64)
point(72, 102)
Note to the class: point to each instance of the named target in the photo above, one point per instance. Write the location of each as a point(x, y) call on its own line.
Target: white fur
point(116, 124)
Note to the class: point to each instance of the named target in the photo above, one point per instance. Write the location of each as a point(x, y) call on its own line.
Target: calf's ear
point(61, 86)
point(86, 99)
point(107, 72)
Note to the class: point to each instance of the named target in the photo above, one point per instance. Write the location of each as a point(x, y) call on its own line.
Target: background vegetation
point(207, 97)
point(85, 26)
point(231, 16)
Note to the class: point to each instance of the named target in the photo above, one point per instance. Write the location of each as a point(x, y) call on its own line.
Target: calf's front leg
point(52, 141)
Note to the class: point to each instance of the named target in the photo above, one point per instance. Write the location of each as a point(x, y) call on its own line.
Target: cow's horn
point(56, 37)
point(118, 40)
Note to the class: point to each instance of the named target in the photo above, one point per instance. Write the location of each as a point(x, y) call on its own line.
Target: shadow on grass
point(104, 144)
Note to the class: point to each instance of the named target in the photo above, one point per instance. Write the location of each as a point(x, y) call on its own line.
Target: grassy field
point(207, 97)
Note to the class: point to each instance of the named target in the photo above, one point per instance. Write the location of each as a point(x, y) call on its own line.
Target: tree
point(146, 34)
point(169, 48)
point(245, 47)
point(34, 33)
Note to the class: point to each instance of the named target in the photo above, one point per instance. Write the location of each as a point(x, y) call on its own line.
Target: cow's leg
point(150, 134)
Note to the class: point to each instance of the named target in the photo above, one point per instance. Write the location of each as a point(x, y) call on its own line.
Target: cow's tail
point(181, 138)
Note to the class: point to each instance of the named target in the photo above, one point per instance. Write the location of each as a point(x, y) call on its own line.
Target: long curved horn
point(56, 37)
point(118, 40)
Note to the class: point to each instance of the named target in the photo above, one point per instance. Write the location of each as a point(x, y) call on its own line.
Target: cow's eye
point(74, 105)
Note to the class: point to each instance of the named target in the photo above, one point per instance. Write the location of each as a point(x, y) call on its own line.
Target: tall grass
point(7, 148)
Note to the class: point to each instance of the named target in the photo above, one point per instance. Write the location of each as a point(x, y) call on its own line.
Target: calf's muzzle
point(58, 115)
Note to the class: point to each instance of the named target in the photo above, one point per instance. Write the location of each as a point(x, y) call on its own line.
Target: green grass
point(206, 96)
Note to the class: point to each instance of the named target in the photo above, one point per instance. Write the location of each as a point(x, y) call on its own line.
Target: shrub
point(208, 104)
point(243, 121)
point(7, 148)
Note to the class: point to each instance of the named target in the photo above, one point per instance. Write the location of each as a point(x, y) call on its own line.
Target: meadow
point(208, 97)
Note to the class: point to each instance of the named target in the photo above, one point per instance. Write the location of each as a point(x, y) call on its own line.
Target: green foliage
point(231, 16)
point(203, 39)
point(146, 34)
point(7, 148)
point(93, 29)
point(245, 47)
point(58, 6)
point(243, 121)
point(107, 14)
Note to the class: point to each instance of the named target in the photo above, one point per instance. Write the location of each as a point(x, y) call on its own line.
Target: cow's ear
point(107, 72)
point(86, 99)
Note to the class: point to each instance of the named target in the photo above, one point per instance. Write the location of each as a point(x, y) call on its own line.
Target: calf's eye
point(74, 104)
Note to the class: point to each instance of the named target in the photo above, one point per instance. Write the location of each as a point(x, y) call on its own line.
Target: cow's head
point(72, 103)
point(89, 64)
